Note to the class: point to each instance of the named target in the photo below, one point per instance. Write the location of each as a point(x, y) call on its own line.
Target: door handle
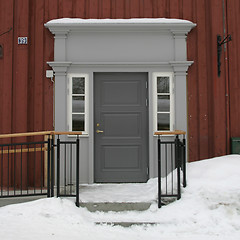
point(99, 131)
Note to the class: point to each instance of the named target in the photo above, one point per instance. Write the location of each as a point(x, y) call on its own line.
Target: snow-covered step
point(127, 224)
point(116, 206)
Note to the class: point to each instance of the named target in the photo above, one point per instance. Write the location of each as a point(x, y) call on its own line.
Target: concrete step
point(116, 206)
point(127, 224)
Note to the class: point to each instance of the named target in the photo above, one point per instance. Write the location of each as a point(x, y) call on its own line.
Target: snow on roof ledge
point(66, 25)
point(77, 21)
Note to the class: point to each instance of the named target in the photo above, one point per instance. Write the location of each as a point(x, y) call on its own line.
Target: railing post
point(184, 163)
point(52, 166)
point(178, 165)
point(58, 167)
point(77, 171)
point(159, 174)
point(48, 167)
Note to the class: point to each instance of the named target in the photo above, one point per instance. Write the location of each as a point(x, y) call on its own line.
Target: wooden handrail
point(176, 132)
point(66, 133)
point(29, 134)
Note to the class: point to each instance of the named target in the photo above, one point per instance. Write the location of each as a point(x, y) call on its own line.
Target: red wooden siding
point(26, 100)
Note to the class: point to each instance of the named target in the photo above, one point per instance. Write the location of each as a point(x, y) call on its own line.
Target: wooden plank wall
point(26, 100)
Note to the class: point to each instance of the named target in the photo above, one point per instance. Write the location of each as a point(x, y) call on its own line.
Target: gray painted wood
point(121, 151)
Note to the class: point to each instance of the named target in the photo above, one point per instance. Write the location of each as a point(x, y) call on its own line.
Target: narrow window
point(164, 102)
point(78, 112)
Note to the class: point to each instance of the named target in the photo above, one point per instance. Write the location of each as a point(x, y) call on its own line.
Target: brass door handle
point(99, 131)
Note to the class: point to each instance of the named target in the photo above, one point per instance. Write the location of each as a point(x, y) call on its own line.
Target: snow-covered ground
point(209, 209)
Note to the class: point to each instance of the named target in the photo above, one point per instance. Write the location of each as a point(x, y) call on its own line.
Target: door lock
point(99, 131)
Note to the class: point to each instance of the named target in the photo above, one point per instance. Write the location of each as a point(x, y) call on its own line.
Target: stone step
point(127, 224)
point(116, 206)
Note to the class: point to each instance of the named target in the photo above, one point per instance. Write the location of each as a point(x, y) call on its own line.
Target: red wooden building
point(26, 99)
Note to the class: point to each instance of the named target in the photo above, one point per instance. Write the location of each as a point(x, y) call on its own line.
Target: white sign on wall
point(22, 40)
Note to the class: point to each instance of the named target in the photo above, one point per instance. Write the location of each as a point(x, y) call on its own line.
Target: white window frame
point(155, 102)
point(86, 105)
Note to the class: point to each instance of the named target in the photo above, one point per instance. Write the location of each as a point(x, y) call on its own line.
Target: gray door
point(121, 127)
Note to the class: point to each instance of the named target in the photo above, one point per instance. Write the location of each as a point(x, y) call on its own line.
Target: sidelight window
point(164, 111)
point(78, 102)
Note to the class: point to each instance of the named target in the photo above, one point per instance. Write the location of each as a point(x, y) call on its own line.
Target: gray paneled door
point(121, 127)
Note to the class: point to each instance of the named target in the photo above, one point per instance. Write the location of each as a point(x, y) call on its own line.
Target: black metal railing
point(27, 168)
point(68, 168)
point(22, 169)
point(171, 165)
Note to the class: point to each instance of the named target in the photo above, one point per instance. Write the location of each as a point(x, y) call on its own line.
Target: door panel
point(121, 149)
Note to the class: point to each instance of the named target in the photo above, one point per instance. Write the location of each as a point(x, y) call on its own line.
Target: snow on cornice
point(77, 21)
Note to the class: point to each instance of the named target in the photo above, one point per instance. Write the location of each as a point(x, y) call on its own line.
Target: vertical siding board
point(60, 8)
point(53, 9)
point(31, 69)
point(6, 72)
point(1, 66)
point(233, 12)
point(6, 77)
point(187, 7)
point(48, 56)
point(202, 80)
point(218, 82)
point(80, 9)
point(134, 9)
point(174, 9)
point(39, 76)
point(209, 64)
point(127, 9)
point(105, 9)
point(20, 67)
point(67, 8)
point(93, 8)
point(155, 9)
point(180, 9)
point(192, 81)
point(20, 80)
point(120, 9)
point(147, 6)
point(7, 67)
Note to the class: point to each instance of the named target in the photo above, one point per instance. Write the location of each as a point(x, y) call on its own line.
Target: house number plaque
point(22, 40)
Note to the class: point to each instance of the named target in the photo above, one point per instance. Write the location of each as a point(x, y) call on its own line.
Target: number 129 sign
point(22, 40)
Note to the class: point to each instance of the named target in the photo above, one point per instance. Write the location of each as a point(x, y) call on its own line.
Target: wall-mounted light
point(50, 74)
point(1, 51)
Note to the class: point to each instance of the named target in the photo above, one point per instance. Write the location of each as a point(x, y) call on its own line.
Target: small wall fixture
point(220, 42)
point(1, 51)
point(50, 74)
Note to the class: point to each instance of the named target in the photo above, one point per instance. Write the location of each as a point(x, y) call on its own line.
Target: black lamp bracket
point(220, 42)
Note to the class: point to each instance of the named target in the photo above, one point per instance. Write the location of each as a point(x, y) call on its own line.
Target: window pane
point(163, 103)
point(163, 84)
point(78, 85)
point(78, 104)
point(163, 121)
point(78, 122)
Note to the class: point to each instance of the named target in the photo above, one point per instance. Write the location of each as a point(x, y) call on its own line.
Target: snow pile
point(209, 209)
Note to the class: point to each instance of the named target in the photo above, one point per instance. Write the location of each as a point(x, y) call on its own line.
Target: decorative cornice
point(180, 67)
point(177, 27)
point(59, 68)
point(120, 64)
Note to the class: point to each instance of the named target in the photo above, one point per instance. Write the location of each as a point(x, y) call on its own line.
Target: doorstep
point(116, 206)
point(118, 197)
